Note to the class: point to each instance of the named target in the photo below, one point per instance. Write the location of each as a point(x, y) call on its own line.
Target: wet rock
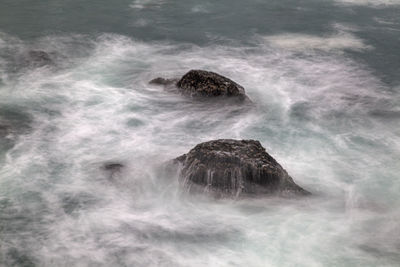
point(201, 83)
point(209, 84)
point(163, 81)
point(229, 167)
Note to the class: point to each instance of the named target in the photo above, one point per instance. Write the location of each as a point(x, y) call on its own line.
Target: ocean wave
point(312, 112)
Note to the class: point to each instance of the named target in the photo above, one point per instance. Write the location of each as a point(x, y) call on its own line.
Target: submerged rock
point(201, 83)
point(229, 167)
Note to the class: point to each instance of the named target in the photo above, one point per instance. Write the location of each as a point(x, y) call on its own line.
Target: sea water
point(324, 79)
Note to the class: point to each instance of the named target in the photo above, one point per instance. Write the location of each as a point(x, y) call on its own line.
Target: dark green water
point(324, 77)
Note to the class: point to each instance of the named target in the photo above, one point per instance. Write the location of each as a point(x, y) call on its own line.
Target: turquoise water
point(324, 79)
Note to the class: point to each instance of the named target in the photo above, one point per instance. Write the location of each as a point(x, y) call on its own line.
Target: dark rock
point(209, 84)
point(201, 83)
point(229, 167)
point(163, 81)
point(37, 58)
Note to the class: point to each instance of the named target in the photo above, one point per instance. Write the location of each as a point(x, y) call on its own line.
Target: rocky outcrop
point(235, 168)
point(209, 84)
point(201, 83)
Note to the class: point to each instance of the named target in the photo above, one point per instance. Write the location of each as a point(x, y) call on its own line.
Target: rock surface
point(229, 167)
point(209, 84)
point(163, 81)
point(201, 83)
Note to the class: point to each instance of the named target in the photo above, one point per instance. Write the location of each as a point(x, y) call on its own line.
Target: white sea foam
point(301, 42)
point(311, 113)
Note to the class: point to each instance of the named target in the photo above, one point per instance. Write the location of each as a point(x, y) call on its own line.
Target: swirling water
point(323, 76)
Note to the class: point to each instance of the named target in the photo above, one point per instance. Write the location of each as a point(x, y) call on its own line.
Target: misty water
point(324, 79)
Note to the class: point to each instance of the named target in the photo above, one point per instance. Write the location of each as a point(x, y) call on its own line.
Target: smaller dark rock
point(206, 84)
point(163, 81)
point(209, 84)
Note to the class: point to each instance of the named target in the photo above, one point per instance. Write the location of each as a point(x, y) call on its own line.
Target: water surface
point(323, 76)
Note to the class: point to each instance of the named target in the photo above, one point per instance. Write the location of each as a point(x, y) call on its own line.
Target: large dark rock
point(201, 83)
point(229, 167)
